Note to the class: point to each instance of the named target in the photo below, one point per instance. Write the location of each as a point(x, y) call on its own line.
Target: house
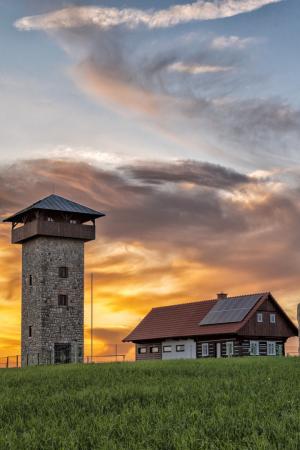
point(246, 325)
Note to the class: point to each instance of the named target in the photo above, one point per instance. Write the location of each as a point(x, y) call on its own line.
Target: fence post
point(7, 362)
point(38, 359)
point(27, 359)
point(17, 361)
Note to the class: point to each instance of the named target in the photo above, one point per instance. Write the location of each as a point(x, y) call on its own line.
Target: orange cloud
point(111, 89)
point(159, 243)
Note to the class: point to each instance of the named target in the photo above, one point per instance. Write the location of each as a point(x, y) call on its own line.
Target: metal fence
point(13, 362)
point(10, 362)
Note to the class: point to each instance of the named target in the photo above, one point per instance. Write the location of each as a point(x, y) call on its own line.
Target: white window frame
point(272, 318)
point(167, 348)
point(271, 348)
point(259, 317)
point(180, 348)
point(229, 348)
point(142, 350)
point(154, 349)
point(205, 349)
point(256, 353)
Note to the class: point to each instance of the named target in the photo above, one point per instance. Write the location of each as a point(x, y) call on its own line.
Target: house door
point(218, 349)
point(62, 353)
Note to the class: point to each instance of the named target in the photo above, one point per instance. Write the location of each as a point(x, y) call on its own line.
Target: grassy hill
point(250, 403)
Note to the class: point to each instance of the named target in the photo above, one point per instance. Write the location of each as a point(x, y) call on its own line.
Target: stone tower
point(52, 232)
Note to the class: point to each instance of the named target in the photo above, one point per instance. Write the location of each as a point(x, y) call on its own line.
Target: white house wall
point(188, 353)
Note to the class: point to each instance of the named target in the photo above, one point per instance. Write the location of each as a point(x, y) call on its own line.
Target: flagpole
point(92, 314)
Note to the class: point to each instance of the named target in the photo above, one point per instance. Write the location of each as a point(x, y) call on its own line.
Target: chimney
point(221, 295)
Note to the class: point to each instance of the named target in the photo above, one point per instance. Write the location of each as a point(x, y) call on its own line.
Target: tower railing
point(41, 227)
point(14, 362)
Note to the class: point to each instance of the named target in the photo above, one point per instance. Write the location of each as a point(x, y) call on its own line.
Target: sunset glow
point(169, 120)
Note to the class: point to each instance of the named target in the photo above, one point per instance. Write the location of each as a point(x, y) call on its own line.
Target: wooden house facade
point(247, 325)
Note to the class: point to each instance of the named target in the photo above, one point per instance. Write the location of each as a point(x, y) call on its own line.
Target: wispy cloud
point(225, 42)
point(106, 18)
point(194, 88)
point(196, 69)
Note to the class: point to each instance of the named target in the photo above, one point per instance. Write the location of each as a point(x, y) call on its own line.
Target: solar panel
point(229, 310)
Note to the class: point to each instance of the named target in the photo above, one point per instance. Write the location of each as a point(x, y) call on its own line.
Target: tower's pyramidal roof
point(56, 203)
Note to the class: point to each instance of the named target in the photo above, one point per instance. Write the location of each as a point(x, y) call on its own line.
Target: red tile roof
point(183, 320)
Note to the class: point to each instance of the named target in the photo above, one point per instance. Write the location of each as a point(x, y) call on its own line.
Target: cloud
point(193, 89)
point(196, 69)
point(106, 18)
point(183, 201)
point(112, 89)
point(175, 231)
point(224, 42)
point(193, 173)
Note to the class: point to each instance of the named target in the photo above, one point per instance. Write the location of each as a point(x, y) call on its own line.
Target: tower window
point(62, 300)
point(63, 272)
point(30, 280)
point(30, 331)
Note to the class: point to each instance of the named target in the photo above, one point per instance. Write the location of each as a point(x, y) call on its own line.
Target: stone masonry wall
point(52, 324)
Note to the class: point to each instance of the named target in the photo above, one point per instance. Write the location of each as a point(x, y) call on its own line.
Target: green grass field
point(250, 403)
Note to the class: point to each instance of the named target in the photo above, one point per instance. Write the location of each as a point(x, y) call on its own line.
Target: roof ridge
point(210, 300)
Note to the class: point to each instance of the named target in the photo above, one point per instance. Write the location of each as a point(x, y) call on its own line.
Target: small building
point(247, 325)
point(53, 232)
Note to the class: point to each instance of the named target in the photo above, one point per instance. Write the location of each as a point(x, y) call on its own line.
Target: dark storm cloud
point(164, 243)
point(250, 227)
point(137, 211)
point(201, 174)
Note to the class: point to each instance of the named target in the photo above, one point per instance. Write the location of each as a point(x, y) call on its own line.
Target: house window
point(62, 300)
point(30, 280)
point(179, 348)
point(272, 318)
point(271, 348)
point(142, 350)
point(50, 219)
point(73, 221)
point(30, 331)
point(63, 272)
point(154, 349)
point(205, 351)
point(167, 348)
point(259, 317)
point(254, 348)
point(229, 348)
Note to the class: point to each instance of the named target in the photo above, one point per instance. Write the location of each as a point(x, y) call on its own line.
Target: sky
point(180, 121)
